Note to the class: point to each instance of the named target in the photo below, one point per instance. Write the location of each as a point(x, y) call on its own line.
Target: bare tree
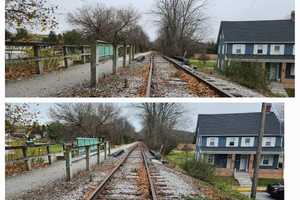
point(181, 24)
point(103, 23)
point(86, 118)
point(159, 120)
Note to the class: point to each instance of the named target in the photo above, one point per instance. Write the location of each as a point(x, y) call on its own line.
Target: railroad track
point(130, 179)
point(168, 78)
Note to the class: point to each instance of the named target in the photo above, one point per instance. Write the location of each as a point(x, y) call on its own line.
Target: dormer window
point(260, 49)
point(277, 49)
point(238, 49)
point(232, 141)
point(212, 142)
point(269, 142)
point(247, 142)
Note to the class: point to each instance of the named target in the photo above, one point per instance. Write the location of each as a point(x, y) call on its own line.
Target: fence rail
point(71, 154)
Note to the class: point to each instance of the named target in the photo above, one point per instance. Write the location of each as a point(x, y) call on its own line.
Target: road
point(49, 84)
point(36, 178)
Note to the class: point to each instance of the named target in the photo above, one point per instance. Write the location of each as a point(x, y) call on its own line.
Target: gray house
point(229, 142)
point(270, 43)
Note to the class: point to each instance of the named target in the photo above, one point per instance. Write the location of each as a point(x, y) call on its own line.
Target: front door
point(243, 163)
point(274, 71)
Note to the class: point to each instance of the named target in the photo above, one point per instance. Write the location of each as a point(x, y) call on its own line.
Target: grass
point(203, 66)
point(263, 182)
point(223, 185)
point(290, 92)
point(179, 157)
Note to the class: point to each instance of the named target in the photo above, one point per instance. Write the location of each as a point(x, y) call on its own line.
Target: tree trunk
point(93, 71)
point(124, 54)
point(115, 57)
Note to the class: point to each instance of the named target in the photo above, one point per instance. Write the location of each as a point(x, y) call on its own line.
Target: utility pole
point(264, 109)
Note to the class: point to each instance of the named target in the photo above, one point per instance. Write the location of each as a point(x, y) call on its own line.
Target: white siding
point(277, 49)
point(232, 142)
point(238, 49)
point(247, 142)
point(260, 47)
point(212, 142)
point(269, 142)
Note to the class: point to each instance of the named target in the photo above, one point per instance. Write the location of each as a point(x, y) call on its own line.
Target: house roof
point(259, 31)
point(237, 124)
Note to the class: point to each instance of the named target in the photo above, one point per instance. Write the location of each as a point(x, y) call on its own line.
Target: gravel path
point(50, 84)
point(41, 177)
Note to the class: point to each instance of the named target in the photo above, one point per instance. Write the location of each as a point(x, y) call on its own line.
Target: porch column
point(283, 70)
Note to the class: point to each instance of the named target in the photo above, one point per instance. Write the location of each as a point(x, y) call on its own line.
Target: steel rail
point(152, 188)
point(148, 89)
point(105, 181)
point(211, 85)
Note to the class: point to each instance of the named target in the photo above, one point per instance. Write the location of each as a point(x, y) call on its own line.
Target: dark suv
point(276, 190)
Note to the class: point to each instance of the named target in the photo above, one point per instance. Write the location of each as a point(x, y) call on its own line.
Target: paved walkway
point(48, 85)
point(260, 196)
point(41, 177)
point(278, 89)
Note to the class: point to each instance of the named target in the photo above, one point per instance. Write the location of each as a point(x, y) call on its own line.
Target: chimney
point(293, 16)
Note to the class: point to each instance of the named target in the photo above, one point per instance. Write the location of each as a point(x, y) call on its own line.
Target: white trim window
point(247, 142)
point(260, 49)
point(232, 142)
point(267, 160)
point(212, 142)
point(238, 49)
point(269, 142)
point(277, 49)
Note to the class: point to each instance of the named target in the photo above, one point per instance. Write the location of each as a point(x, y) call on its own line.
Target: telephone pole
point(264, 109)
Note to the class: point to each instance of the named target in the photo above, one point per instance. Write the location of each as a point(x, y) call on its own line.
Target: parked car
point(276, 190)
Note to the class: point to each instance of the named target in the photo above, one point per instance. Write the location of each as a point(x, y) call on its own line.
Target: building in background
point(270, 43)
point(228, 141)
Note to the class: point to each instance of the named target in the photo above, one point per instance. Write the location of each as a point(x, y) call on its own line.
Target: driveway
point(261, 196)
point(48, 85)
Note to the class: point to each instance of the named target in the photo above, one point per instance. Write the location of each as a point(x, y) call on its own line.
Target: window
point(290, 71)
point(267, 160)
point(260, 49)
point(210, 159)
point(277, 49)
point(232, 141)
point(269, 142)
point(238, 49)
point(247, 142)
point(212, 142)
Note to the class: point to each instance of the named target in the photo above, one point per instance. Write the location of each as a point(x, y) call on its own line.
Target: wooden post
point(115, 58)
point(98, 153)
point(124, 54)
point(105, 150)
point(109, 147)
point(26, 159)
point(130, 54)
point(65, 51)
point(87, 158)
point(68, 158)
point(38, 62)
point(83, 60)
point(49, 155)
point(93, 71)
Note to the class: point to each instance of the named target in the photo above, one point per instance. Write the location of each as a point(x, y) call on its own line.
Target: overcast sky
point(217, 10)
point(188, 121)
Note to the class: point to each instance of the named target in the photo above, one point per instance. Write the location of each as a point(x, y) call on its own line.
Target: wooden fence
point(71, 154)
point(65, 52)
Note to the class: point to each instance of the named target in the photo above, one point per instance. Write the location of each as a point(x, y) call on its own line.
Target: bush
point(199, 169)
point(249, 74)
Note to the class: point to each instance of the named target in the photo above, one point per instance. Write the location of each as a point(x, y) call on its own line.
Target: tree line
point(70, 120)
